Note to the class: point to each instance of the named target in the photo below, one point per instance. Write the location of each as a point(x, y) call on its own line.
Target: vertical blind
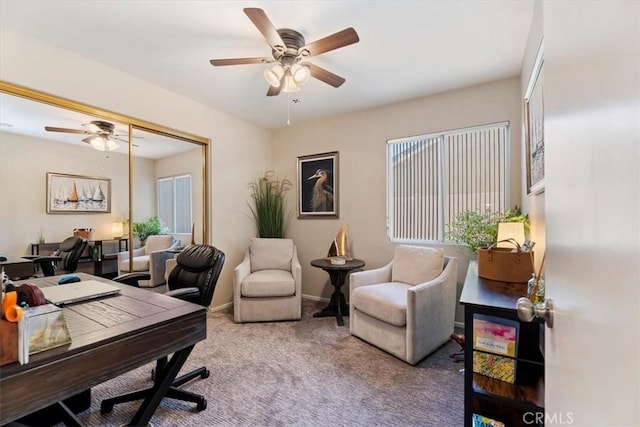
point(174, 203)
point(433, 178)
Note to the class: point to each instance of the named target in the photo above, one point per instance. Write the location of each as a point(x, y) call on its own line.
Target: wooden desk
point(110, 336)
point(338, 273)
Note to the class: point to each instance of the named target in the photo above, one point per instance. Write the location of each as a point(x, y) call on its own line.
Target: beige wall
point(239, 151)
point(360, 140)
point(533, 204)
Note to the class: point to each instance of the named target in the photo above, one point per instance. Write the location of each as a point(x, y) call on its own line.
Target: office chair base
point(173, 393)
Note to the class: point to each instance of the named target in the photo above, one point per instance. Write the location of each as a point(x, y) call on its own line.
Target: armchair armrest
point(370, 277)
point(241, 272)
point(132, 279)
point(296, 271)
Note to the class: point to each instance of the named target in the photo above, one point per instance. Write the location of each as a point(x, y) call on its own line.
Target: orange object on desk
point(10, 309)
point(8, 342)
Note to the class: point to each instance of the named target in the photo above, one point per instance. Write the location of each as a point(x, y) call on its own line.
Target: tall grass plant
point(269, 205)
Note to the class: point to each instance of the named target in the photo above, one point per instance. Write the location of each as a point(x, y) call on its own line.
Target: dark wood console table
point(338, 273)
point(517, 404)
point(95, 251)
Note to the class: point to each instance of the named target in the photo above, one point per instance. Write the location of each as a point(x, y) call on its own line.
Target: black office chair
point(66, 260)
point(193, 279)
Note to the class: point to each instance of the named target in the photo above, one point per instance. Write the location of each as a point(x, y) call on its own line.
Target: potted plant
point(268, 208)
point(479, 230)
point(148, 227)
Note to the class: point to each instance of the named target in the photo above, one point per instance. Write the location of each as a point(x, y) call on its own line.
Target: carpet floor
point(305, 373)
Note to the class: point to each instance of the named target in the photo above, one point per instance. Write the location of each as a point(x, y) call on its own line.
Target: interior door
point(592, 117)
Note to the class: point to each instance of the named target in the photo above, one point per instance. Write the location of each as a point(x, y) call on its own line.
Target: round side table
point(338, 273)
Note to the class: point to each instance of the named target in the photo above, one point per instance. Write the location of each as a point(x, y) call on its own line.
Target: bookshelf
point(520, 403)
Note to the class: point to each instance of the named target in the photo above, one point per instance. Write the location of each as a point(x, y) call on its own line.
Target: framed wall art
point(78, 194)
point(534, 127)
point(318, 186)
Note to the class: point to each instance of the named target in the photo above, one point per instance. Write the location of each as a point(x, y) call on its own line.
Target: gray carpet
point(306, 373)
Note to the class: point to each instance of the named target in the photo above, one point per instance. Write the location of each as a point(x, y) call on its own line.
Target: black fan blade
point(264, 25)
point(334, 41)
point(326, 76)
point(239, 61)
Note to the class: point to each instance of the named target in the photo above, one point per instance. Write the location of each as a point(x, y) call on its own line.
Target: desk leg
point(161, 385)
point(338, 304)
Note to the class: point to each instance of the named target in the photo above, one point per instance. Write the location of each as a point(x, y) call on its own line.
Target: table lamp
point(510, 230)
point(116, 229)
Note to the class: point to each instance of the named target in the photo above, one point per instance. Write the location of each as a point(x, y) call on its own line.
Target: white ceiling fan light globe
point(111, 144)
point(97, 143)
point(274, 75)
point(301, 73)
point(290, 84)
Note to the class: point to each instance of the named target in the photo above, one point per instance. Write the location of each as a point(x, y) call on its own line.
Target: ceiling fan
point(101, 134)
point(288, 49)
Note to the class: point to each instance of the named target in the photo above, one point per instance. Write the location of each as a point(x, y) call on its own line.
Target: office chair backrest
point(70, 251)
point(197, 266)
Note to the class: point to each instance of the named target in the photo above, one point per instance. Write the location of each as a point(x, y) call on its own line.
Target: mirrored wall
point(66, 165)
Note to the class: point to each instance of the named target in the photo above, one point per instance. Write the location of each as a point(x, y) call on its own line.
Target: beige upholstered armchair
point(406, 308)
point(151, 258)
point(267, 285)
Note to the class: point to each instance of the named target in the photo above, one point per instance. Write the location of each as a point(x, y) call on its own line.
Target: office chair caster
point(201, 405)
point(105, 407)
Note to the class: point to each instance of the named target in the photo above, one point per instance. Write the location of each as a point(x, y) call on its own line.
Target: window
point(433, 178)
point(174, 203)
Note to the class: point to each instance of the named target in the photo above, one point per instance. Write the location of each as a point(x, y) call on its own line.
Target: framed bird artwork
point(318, 186)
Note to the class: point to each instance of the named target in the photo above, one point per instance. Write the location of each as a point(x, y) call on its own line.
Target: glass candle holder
point(535, 290)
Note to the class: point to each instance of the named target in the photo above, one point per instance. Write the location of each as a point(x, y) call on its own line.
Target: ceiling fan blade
point(92, 127)
point(334, 41)
point(326, 76)
point(239, 61)
point(273, 91)
point(55, 129)
point(264, 25)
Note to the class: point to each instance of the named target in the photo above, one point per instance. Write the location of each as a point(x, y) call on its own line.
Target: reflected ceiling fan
point(288, 49)
point(101, 134)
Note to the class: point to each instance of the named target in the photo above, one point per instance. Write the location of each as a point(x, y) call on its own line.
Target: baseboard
point(220, 307)
point(459, 325)
point(315, 298)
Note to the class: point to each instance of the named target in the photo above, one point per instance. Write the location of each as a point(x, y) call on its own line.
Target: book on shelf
point(495, 344)
point(480, 421)
point(41, 328)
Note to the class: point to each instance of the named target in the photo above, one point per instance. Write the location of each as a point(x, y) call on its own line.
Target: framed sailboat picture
point(78, 194)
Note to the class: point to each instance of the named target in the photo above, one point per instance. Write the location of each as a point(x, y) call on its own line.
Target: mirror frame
point(133, 123)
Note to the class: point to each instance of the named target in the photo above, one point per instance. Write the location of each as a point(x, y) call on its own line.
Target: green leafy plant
point(478, 230)
point(268, 209)
point(148, 227)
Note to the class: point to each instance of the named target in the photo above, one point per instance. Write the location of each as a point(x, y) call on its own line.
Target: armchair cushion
point(415, 264)
point(140, 263)
point(158, 243)
point(268, 283)
point(384, 301)
point(271, 254)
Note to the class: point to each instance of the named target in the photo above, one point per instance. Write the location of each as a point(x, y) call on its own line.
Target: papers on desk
point(41, 328)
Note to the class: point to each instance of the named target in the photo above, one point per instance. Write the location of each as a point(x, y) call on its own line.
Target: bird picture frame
point(318, 186)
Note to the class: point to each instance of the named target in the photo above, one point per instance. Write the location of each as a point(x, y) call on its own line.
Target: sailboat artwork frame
point(77, 194)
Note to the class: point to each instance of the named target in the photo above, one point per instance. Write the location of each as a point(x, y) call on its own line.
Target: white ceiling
point(407, 49)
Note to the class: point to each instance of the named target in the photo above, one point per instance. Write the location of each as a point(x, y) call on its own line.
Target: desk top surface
point(110, 336)
point(490, 293)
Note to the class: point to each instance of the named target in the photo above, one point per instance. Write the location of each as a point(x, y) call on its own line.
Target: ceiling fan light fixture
point(290, 84)
point(274, 75)
point(301, 73)
point(96, 142)
point(111, 144)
